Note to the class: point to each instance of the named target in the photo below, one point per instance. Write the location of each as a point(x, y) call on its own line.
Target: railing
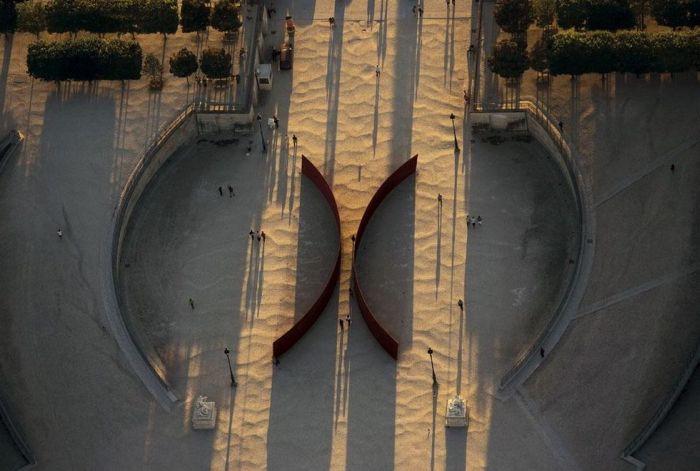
point(662, 411)
point(557, 323)
point(123, 333)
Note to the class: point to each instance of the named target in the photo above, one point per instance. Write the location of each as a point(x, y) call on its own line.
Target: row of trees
point(515, 16)
point(602, 52)
point(636, 52)
point(85, 59)
point(118, 16)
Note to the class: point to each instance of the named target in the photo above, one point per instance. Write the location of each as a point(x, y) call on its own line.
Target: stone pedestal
point(203, 414)
point(457, 414)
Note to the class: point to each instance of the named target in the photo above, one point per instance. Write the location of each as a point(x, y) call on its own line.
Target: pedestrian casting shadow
point(300, 426)
point(334, 62)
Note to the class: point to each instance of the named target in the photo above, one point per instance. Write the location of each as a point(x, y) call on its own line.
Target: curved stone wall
point(388, 343)
point(139, 352)
point(543, 128)
point(293, 335)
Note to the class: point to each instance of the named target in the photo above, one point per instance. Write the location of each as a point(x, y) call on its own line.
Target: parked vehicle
point(286, 56)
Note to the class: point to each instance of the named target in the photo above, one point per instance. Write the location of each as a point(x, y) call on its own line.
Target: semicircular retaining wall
point(302, 326)
point(129, 335)
point(388, 343)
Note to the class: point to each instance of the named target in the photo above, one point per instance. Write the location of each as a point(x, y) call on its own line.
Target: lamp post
point(230, 370)
point(262, 138)
point(430, 352)
point(454, 131)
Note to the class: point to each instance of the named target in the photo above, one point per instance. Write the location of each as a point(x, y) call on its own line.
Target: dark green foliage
point(8, 17)
point(609, 15)
point(673, 52)
point(158, 16)
point(85, 59)
point(225, 17)
point(216, 63)
point(543, 11)
point(513, 16)
point(183, 63)
point(676, 13)
point(31, 17)
point(572, 13)
point(509, 59)
point(569, 54)
point(108, 16)
point(194, 15)
point(634, 52)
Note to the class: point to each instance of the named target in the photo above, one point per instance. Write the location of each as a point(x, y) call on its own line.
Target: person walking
point(294, 141)
point(473, 221)
point(347, 319)
point(231, 194)
point(331, 21)
point(262, 234)
point(420, 11)
point(59, 232)
point(192, 304)
point(673, 168)
point(440, 199)
point(257, 233)
point(277, 121)
point(251, 234)
point(542, 352)
point(479, 220)
point(414, 10)
point(377, 71)
point(342, 326)
point(460, 303)
point(221, 192)
point(561, 126)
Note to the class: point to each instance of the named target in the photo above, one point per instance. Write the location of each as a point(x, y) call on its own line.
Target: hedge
point(112, 16)
point(572, 53)
point(85, 59)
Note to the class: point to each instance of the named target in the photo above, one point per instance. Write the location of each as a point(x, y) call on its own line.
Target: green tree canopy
point(183, 63)
point(513, 16)
point(194, 15)
point(572, 13)
point(543, 11)
point(509, 59)
point(216, 63)
point(609, 15)
point(31, 17)
point(225, 16)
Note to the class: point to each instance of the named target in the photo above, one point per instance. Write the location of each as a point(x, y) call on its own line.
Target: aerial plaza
point(341, 235)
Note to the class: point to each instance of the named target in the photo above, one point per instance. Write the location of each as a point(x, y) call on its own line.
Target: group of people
point(231, 194)
point(260, 235)
point(474, 220)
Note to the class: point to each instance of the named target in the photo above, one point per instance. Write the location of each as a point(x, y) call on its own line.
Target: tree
point(609, 15)
point(572, 13)
point(31, 17)
point(513, 16)
point(543, 11)
point(194, 15)
point(602, 53)
point(216, 63)
point(539, 58)
point(8, 17)
point(225, 17)
point(673, 52)
point(159, 16)
point(154, 69)
point(569, 54)
point(634, 52)
point(509, 59)
point(671, 13)
point(183, 64)
point(85, 59)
